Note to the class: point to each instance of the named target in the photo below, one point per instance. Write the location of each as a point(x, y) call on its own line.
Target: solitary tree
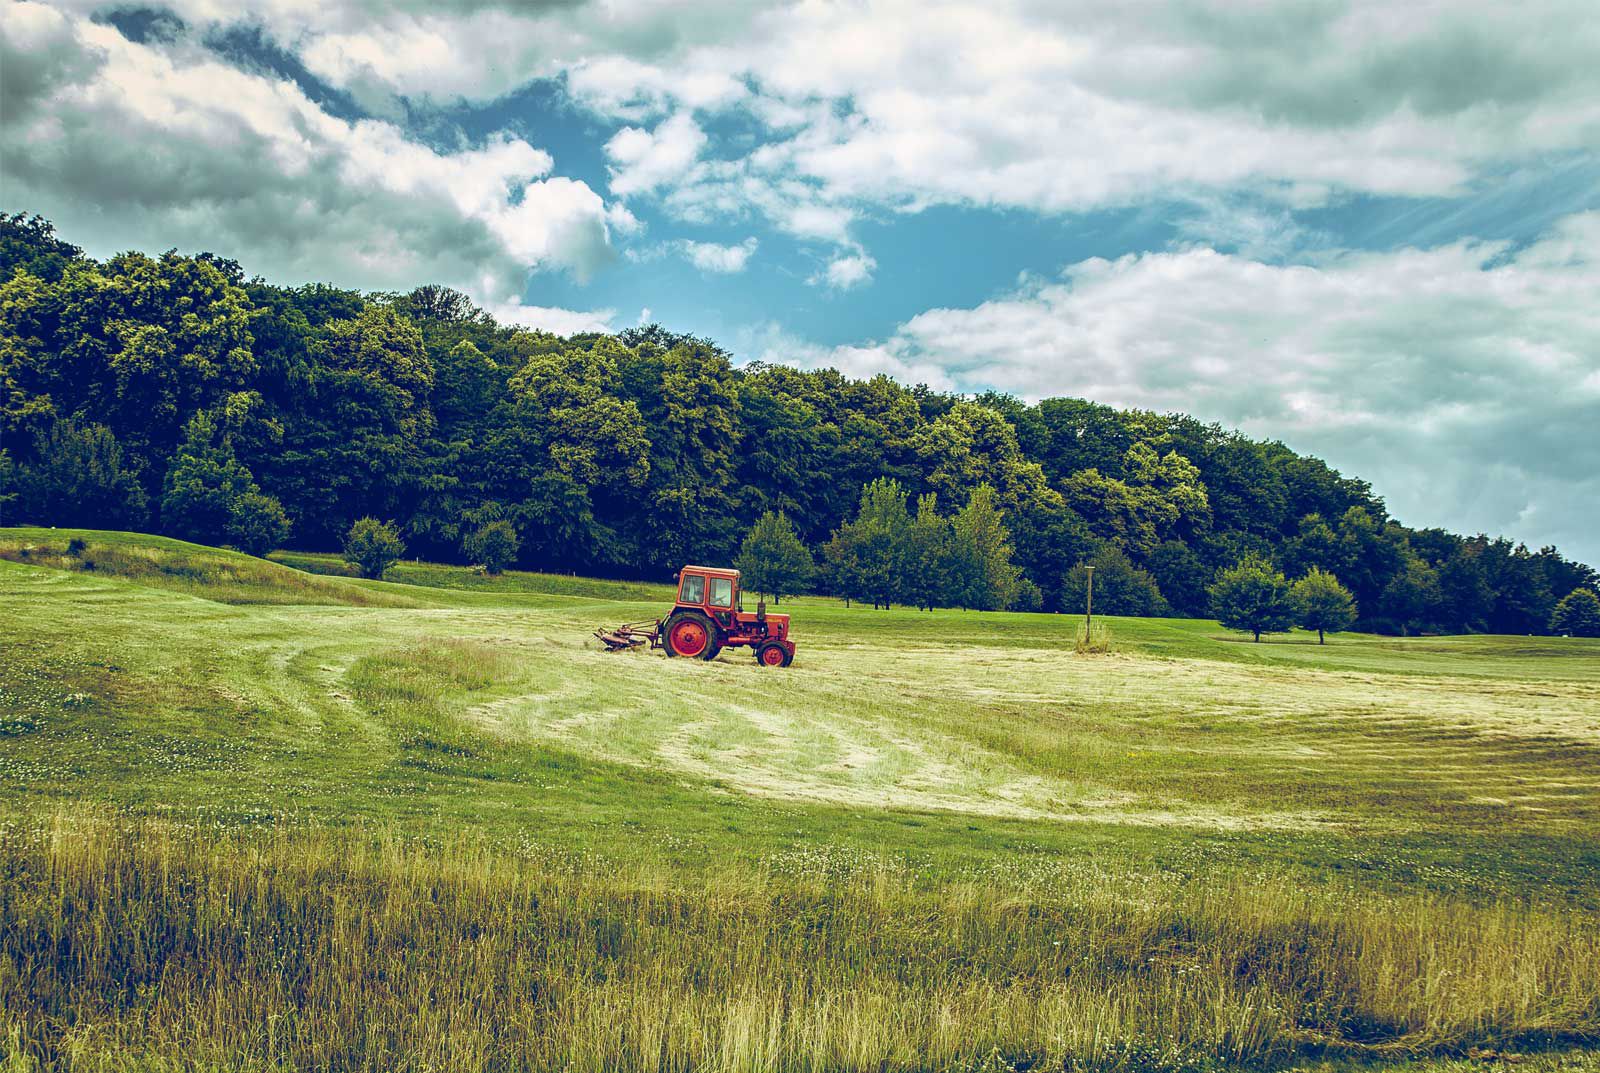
point(493, 545)
point(773, 560)
point(256, 523)
point(1577, 615)
point(1253, 597)
point(373, 546)
point(1321, 603)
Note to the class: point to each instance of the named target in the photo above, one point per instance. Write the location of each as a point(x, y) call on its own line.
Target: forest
point(177, 395)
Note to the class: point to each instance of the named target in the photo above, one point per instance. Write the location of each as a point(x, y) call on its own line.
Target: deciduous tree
point(78, 480)
point(1577, 615)
point(772, 560)
point(1322, 604)
point(373, 546)
point(493, 546)
point(985, 578)
point(202, 484)
point(1254, 597)
point(925, 557)
point(257, 523)
point(1120, 588)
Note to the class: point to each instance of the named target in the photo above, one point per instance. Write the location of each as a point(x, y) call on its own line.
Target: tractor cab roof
point(715, 571)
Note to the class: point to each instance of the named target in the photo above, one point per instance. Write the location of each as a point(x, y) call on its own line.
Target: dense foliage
point(175, 393)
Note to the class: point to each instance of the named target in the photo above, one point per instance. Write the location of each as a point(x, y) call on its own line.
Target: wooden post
point(1088, 611)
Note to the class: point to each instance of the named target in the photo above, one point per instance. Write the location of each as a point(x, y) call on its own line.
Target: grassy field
point(264, 816)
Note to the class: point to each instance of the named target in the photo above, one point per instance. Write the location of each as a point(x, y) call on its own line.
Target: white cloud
point(128, 145)
point(847, 270)
point(642, 160)
point(711, 257)
point(621, 220)
point(552, 319)
point(1463, 380)
point(616, 85)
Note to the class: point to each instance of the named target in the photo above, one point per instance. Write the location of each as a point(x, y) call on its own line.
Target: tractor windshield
point(721, 592)
point(693, 590)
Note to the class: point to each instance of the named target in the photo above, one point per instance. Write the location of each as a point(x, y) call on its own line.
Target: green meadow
point(262, 815)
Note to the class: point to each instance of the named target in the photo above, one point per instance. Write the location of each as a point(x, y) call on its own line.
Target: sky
point(1368, 229)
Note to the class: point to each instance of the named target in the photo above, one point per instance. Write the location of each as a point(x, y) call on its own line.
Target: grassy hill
point(936, 836)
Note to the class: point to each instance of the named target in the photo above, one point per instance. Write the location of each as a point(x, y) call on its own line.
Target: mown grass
point(1382, 847)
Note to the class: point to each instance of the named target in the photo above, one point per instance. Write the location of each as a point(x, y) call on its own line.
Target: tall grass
point(1093, 640)
point(142, 945)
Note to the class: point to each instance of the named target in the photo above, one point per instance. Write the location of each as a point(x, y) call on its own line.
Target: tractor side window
point(721, 592)
point(693, 591)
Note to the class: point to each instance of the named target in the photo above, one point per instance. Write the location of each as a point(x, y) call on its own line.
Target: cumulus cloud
point(642, 160)
point(847, 270)
point(134, 145)
point(711, 257)
point(619, 86)
point(1463, 380)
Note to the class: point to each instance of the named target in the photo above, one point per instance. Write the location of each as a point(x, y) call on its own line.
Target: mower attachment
point(630, 635)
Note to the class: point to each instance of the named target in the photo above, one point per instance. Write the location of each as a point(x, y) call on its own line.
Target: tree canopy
point(174, 393)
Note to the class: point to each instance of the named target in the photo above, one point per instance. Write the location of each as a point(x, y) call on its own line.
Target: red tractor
point(706, 619)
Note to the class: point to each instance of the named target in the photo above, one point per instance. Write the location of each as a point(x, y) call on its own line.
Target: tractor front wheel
point(772, 654)
point(692, 637)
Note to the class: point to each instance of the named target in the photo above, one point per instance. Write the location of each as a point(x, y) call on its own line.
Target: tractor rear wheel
point(772, 654)
point(692, 636)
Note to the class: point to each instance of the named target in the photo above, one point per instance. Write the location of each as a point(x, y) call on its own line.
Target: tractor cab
point(711, 589)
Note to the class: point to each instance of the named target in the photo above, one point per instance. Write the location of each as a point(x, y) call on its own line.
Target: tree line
point(176, 394)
